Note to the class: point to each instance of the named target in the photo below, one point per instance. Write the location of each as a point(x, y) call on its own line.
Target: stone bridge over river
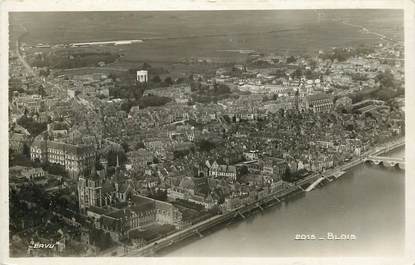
point(387, 161)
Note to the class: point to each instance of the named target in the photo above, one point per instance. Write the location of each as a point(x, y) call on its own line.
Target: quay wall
point(197, 229)
point(376, 151)
point(210, 223)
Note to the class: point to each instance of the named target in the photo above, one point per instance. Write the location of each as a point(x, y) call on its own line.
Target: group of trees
point(23, 159)
point(182, 152)
point(260, 64)
point(144, 102)
point(190, 205)
point(273, 97)
point(15, 84)
point(291, 59)
point(293, 176)
point(359, 77)
point(41, 90)
point(156, 81)
point(212, 90)
point(205, 145)
point(31, 125)
point(386, 80)
point(44, 72)
point(20, 159)
point(158, 194)
point(207, 94)
point(153, 101)
point(100, 238)
point(280, 73)
point(388, 88)
point(342, 54)
point(154, 76)
point(308, 74)
point(127, 88)
point(343, 105)
point(21, 216)
point(72, 60)
point(55, 169)
point(112, 155)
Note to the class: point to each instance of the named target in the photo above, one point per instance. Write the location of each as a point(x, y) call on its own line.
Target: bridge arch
point(386, 161)
point(390, 163)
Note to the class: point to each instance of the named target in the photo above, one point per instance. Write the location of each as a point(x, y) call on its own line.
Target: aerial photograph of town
point(260, 133)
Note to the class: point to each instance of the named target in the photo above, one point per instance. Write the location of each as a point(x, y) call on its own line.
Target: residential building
point(274, 167)
point(74, 157)
point(222, 171)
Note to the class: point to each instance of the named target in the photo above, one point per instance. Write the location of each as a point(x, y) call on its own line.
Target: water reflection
point(367, 201)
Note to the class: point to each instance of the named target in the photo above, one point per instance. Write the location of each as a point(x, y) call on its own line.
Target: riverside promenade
point(389, 146)
point(206, 225)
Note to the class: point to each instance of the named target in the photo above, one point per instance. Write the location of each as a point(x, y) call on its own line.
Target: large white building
point(142, 76)
point(75, 157)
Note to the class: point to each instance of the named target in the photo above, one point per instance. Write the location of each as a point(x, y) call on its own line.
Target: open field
point(173, 36)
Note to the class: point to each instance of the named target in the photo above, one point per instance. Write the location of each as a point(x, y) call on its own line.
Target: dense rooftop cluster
point(124, 169)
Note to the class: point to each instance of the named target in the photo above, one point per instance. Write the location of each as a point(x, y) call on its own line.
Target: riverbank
point(367, 201)
point(242, 212)
point(387, 147)
point(198, 229)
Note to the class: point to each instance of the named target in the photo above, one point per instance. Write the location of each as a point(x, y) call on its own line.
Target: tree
point(205, 145)
point(244, 170)
point(125, 146)
point(139, 145)
point(160, 195)
point(145, 66)
point(279, 73)
point(195, 86)
point(291, 59)
point(343, 104)
point(156, 79)
point(112, 76)
point(100, 239)
point(313, 64)
point(227, 119)
point(168, 81)
point(297, 73)
point(153, 100)
point(190, 78)
point(112, 157)
point(44, 72)
point(287, 175)
point(55, 169)
point(386, 79)
point(181, 153)
point(34, 128)
point(127, 105)
point(220, 89)
point(42, 91)
point(26, 151)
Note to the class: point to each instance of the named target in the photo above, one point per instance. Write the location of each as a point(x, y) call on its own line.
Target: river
point(368, 202)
